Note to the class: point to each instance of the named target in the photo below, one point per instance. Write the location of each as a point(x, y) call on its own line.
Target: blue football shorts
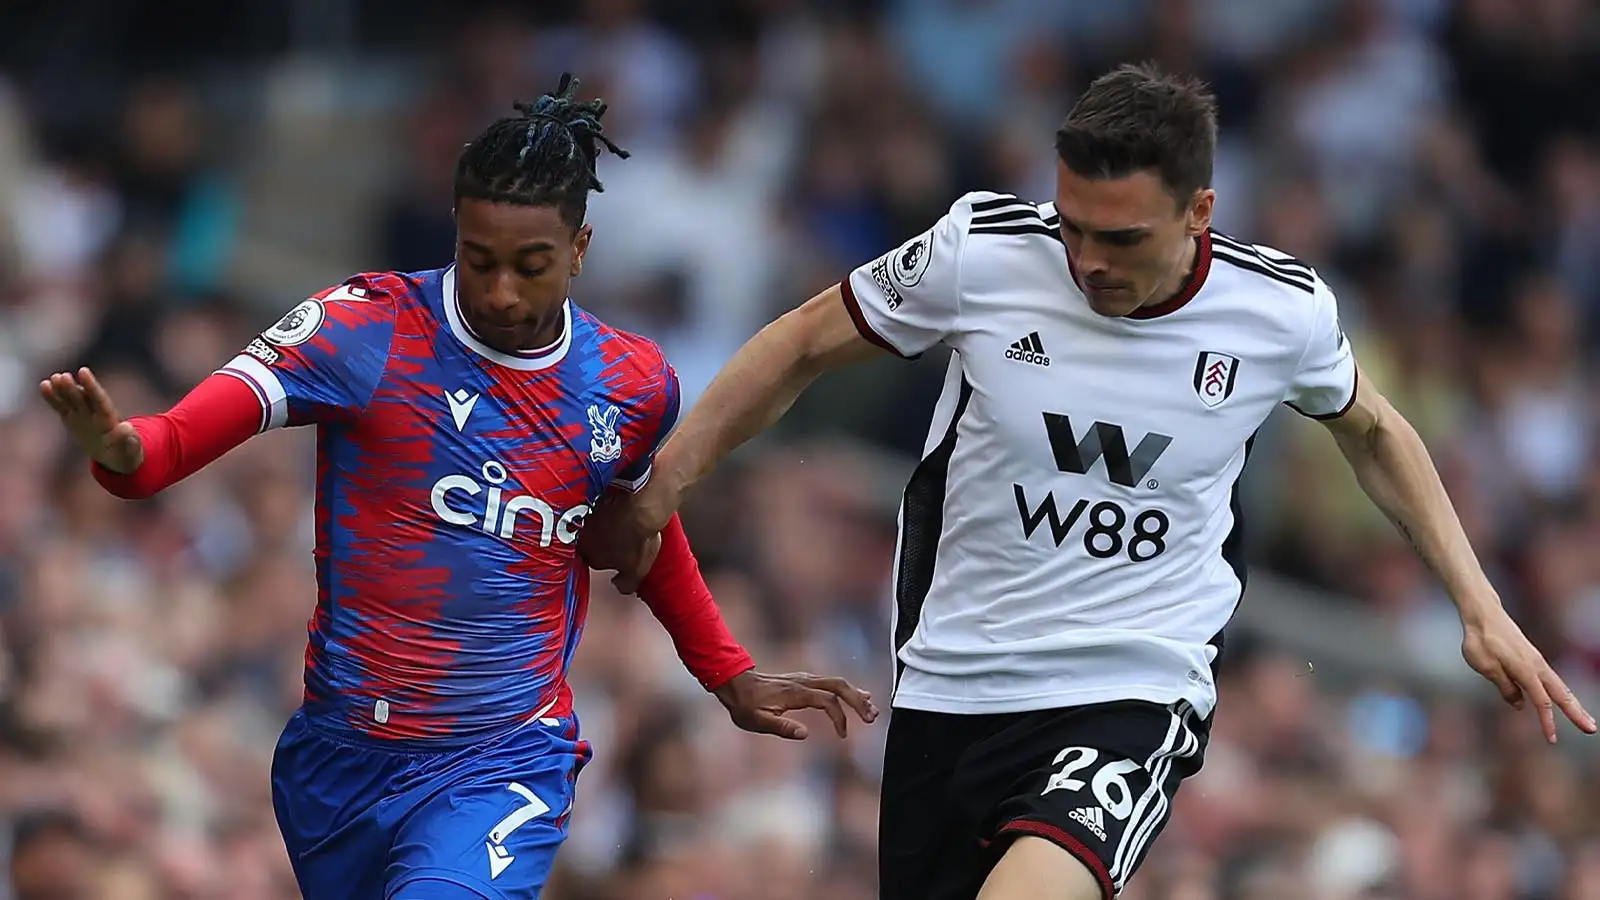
point(368, 822)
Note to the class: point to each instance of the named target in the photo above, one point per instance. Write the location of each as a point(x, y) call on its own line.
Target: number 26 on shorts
point(1108, 784)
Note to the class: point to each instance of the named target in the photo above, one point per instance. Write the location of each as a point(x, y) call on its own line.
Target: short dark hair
point(1137, 118)
point(543, 156)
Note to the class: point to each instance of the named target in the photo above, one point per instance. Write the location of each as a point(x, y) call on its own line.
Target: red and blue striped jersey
point(452, 481)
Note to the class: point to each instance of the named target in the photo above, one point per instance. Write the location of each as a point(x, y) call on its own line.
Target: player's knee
point(435, 889)
point(1033, 868)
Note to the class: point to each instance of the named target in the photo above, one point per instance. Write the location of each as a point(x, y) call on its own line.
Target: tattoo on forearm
point(1416, 545)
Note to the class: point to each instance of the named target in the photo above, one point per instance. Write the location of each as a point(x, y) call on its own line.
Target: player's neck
point(548, 334)
point(1178, 281)
point(1179, 286)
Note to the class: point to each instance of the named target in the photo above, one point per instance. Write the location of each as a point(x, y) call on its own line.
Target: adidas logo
point(1029, 350)
point(1092, 818)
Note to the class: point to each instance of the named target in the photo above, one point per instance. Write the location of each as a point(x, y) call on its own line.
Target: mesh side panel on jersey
point(1233, 553)
point(922, 521)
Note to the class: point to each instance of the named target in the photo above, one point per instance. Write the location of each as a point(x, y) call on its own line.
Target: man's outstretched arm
point(320, 362)
point(140, 457)
point(901, 304)
point(1394, 469)
point(754, 390)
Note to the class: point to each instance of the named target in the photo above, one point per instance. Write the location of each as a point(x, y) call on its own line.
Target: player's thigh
point(928, 844)
point(327, 796)
point(1034, 868)
point(490, 819)
point(1100, 788)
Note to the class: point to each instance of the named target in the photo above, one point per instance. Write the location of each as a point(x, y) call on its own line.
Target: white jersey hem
point(1149, 693)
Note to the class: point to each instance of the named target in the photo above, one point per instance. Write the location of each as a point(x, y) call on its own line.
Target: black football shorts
point(1096, 780)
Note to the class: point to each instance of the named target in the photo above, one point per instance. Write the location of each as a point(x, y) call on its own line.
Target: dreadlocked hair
point(543, 156)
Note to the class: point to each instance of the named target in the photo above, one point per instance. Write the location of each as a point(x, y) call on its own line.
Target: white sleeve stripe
point(269, 390)
point(634, 484)
point(254, 389)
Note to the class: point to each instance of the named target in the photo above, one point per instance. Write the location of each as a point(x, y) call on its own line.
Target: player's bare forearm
point(759, 385)
point(751, 392)
point(1394, 468)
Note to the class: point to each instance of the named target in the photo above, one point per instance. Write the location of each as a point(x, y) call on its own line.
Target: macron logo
point(461, 404)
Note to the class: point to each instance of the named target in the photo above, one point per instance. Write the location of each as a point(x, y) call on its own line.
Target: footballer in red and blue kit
point(471, 469)
point(469, 421)
point(437, 732)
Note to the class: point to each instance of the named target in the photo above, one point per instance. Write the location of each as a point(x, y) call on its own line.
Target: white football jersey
point(1071, 534)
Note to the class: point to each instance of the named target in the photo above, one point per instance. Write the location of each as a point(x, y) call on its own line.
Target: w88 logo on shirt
point(1105, 531)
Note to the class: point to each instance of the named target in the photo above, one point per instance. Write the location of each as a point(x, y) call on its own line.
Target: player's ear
point(1199, 212)
point(580, 246)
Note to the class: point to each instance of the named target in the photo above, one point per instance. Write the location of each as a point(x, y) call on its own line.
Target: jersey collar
point(526, 360)
point(1197, 277)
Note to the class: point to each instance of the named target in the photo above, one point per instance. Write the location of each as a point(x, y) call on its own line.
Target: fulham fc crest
point(1214, 375)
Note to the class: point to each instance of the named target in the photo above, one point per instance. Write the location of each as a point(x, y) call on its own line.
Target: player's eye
point(531, 273)
point(1071, 229)
point(482, 268)
point(1123, 239)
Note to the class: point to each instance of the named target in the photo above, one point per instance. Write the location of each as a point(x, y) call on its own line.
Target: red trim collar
point(1197, 277)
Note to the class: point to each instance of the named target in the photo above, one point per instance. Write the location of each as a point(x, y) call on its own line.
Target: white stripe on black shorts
point(1096, 780)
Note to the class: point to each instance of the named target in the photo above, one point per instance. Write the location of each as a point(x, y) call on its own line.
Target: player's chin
point(509, 339)
point(1114, 302)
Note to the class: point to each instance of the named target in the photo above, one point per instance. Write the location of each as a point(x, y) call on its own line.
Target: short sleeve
point(909, 299)
point(1324, 385)
point(323, 360)
point(635, 473)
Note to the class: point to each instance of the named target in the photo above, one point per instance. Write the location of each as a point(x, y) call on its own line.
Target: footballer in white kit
point(1070, 535)
point(1070, 546)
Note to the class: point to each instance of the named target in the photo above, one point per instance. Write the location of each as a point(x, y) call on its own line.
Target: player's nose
point(1090, 262)
point(501, 297)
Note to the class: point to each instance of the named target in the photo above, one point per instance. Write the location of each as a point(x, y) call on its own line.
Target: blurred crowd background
point(174, 175)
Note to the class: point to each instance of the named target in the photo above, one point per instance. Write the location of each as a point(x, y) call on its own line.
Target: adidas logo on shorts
point(1029, 350)
point(1092, 818)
